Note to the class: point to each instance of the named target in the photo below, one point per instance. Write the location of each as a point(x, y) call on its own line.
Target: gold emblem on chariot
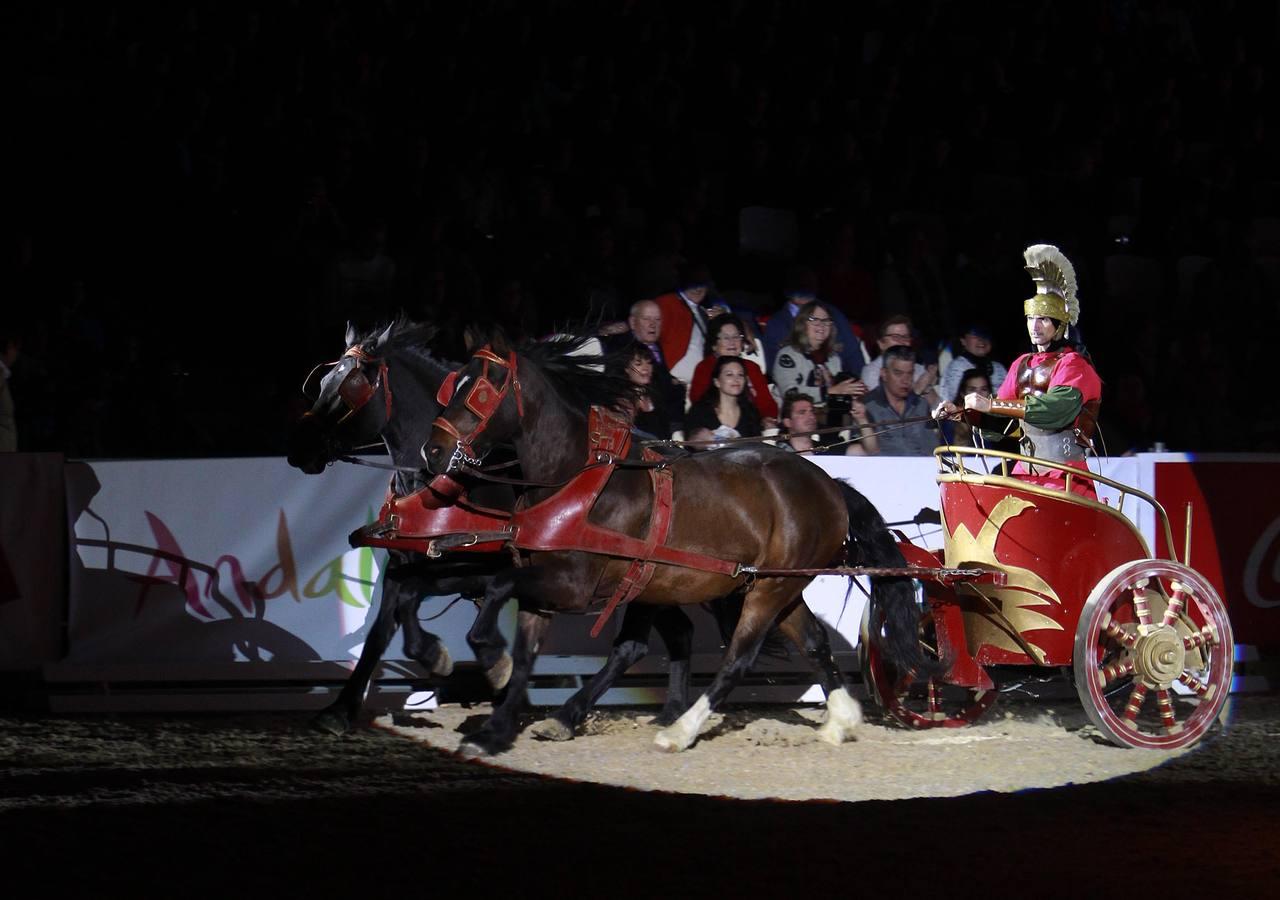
point(1018, 599)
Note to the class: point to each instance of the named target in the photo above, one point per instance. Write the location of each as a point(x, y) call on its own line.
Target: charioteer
point(1051, 399)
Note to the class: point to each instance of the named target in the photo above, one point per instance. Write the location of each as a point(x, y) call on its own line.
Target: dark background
point(198, 196)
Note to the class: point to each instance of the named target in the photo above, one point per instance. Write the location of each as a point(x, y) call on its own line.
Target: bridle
point(355, 390)
point(483, 400)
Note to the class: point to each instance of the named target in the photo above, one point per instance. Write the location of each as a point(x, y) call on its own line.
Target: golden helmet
point(1055, 280)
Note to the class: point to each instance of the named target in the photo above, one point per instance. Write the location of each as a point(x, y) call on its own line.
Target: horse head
point(537, 399)
point(353, 404)
point(483, 406)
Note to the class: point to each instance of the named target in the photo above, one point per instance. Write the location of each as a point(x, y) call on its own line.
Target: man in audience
point(895, 406)
point(645, 326)
point(895, 331)
point(685, 315)
point(800, 421)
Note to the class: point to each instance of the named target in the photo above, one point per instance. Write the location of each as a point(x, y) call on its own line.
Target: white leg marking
point(500, 673)
point(843, 716)
point(683, 731)
point(444, 663)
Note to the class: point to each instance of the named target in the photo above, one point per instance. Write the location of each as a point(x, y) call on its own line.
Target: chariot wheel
point(1153, 655)
point(918, 703)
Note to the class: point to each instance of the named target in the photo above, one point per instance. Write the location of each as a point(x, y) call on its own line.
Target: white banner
point(190, 561)
point(203, 562)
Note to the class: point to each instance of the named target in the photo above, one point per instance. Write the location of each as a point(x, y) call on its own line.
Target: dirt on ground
point(260, 806)
point(764, 752)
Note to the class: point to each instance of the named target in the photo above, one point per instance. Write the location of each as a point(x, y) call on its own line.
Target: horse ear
point(351, 334)
point(386, 334)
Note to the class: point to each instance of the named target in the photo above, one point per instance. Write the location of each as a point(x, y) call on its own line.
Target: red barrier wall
point(1235, 540)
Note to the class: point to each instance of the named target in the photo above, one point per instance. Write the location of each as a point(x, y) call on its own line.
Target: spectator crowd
point(801, 210)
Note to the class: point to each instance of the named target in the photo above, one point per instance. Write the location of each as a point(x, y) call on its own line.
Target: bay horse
point(753, 504)
point(355, 406)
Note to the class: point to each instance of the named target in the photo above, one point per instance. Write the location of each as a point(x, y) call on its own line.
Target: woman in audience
point(646, 415)
point(724, 410)
point(958, 432)
point(809, 362)
point(726, 336)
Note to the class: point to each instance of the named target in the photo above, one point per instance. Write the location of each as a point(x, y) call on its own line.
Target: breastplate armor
point(1034, 380)
point(1068, 444)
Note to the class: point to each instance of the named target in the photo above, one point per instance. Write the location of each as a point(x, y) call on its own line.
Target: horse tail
point(895, 618)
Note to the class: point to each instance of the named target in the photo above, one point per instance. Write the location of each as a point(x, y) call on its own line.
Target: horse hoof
point(551, 730)
point(668, 743)
point(483, 743)
point(444, 663)
point(500, 672)
point(468, 750)
point(331, 722)
point(834, 734)
point(844, 714)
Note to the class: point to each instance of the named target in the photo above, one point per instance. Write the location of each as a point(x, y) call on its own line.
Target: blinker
point(445, 394)
point(355, 390)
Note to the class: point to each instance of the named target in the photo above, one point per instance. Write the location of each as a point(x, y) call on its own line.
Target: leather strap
point(641, 570)
point(560, 522)
point(415, 522)
point(1013, 409)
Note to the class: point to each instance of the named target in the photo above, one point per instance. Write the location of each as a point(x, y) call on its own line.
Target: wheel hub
point(1159, 657)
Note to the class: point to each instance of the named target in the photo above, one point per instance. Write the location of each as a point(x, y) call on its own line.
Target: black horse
point(355, 406)
point(753, 504)
point(351, 411)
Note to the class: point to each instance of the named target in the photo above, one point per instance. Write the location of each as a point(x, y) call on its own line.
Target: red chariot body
point(1147, 640)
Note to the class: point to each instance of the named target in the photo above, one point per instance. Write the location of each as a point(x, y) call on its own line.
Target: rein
point(606, 459)
point(783, 436)
point(357, 461)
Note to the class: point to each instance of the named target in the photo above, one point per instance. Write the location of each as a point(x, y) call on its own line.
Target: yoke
point(418, 524)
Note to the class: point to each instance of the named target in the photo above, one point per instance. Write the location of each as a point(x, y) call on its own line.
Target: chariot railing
point(952, 469)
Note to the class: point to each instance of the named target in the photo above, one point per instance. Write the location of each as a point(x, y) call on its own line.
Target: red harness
point(356, 390)
point(483, 400)
point(438, 513)
point(561, 522)
point(417, 523)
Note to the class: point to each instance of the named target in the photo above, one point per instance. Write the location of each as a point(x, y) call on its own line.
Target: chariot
point(1069, 583)
point(1029, 578)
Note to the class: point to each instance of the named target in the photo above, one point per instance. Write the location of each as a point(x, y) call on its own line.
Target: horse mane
point(581, 380)
point(410, 337)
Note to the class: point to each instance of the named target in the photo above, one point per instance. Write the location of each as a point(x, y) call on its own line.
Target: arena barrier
point(204, 582)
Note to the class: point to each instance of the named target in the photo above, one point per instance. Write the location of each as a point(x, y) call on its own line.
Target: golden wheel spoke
point(1141, 606)
point(1205, 637)
point(1177, 603)
point(1119, 635)
point(1195, 684)
point(1164, 702)
point(1137, 697)
point(1114, 672)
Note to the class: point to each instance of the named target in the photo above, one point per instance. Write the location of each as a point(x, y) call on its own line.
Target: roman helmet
point(1055, 280)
